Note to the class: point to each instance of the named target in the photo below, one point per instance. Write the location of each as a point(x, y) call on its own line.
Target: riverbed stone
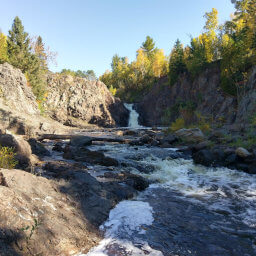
point(80, 141)
point(88, 156)
point(38, 148)
point(58, 146)
point(242, 152)
point(204, 157)
point(190, 135)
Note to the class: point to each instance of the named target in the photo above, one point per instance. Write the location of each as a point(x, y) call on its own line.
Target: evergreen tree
point(177, 64)
point(148, 46)
point(21, 56)
point(18, 44)
point(39, 49)
point(91, 74)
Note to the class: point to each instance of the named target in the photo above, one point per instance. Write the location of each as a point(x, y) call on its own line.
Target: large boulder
point(80, 141)
point(242, 152)
point(190, 135)
point(38, 148)
point(21, 148)
point(81, 154)
point(204, 157)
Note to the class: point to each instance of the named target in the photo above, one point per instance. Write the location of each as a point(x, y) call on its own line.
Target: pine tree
point(21, 56)
point(148, 46)
point(39, 49)
point(18, 44)
point(177, 64)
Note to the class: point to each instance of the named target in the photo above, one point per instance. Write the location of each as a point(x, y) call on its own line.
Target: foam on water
point(124, 231)
point(219, 189)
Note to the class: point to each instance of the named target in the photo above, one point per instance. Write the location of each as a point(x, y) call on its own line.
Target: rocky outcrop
point(71, 101)
point(15, 92)
point(60, 226)
point(247, 105)
point(19, 111)
point(78, 102)
point(159, 106)
point(57, 215)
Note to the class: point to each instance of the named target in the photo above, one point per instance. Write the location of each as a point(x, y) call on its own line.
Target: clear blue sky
point(86, 34)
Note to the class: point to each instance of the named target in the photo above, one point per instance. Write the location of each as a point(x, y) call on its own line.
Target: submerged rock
point(58, 147)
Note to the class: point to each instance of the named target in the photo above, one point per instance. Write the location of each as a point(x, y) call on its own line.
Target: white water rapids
point(187, 210)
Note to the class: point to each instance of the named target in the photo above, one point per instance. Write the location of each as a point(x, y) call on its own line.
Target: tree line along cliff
point(232, 44)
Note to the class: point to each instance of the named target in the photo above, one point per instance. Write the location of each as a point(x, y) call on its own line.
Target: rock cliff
point(204, 91)
point(70, 101)
point(77, 101)
point(159, 106)
point(19, 111)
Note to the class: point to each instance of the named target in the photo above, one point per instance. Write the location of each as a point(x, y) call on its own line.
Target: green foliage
point(248, 142)
point(89, 74)
point(19, 48)
point(196, 58)
point(21, 55)
point(177, 64)
point(149, 45)
point(7, 158)
point(30, 230)
point(238, 50)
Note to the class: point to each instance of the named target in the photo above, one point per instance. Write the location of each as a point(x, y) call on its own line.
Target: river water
point(187, 209)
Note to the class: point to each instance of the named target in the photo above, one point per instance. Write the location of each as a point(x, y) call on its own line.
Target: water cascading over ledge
point(133, 117)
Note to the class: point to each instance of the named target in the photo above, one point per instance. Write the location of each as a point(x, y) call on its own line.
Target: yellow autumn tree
point(159, 63)
point(209, 39)
point(142, 62)
point(3, 48)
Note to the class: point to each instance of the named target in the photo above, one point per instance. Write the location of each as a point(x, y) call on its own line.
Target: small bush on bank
point(190, 120)
point(178, 124)
point(7, 159)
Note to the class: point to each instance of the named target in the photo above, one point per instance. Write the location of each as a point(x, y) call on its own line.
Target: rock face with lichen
point(14, 91)
point(71, 101)
point(77, 101)
point(19, 111)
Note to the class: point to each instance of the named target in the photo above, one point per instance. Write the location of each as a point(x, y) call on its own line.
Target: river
point(187, 209)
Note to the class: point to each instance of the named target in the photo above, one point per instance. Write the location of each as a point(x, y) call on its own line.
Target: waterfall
point(134, 116)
